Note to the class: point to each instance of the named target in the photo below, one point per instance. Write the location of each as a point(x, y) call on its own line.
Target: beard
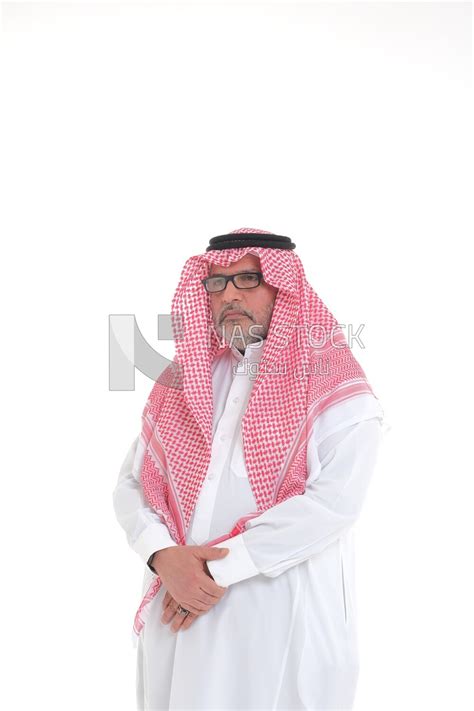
point(240, 330)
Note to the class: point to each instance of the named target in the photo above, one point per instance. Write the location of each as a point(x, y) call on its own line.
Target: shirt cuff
point(152, 539)
point(235, 566)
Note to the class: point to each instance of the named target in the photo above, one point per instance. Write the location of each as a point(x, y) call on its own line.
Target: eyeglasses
point(243, 280)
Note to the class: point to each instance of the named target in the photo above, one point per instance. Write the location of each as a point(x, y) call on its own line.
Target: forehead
point(249, 261)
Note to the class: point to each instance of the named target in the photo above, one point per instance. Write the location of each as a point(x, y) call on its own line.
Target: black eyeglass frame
point(230, 277)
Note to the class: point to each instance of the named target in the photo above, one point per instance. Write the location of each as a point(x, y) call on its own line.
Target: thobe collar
point(252, 353)
point(241, 361)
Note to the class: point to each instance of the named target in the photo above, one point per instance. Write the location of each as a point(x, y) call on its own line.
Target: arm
point(339, 471)
point(146, 533)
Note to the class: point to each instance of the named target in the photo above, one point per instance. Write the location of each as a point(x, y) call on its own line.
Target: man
point(256, 449)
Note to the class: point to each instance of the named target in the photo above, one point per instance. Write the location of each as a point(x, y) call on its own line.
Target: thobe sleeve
point(339, 470)
point(145, 531)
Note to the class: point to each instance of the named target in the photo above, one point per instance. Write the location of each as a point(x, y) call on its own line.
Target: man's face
point(254, 306)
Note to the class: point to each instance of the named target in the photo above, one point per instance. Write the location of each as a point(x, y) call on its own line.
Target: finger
point(211, 588)
point(172, 610)
point(212, 552)
point(167, 599)
point(177, 622)
point(198, 607)
point(168, 614)
point(170, 607)
point(169, 611)
point(188, 620)
point(195, 607)
point(209, 598)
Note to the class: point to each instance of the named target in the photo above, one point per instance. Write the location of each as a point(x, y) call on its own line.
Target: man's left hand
point(178, 620)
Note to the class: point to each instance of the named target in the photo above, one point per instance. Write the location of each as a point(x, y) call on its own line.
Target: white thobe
point(284, 634)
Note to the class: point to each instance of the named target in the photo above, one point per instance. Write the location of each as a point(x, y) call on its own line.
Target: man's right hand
point(182, 570)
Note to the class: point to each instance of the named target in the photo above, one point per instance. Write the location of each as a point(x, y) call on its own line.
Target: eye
point(247, 279)
point(215, 283)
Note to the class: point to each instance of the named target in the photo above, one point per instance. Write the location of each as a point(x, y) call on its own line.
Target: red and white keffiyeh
point(313, 368)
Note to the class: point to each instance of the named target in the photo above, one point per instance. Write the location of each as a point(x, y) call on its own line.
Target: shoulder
point(348, 413)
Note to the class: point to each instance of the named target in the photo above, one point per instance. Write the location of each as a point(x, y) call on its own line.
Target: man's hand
point(170, 614)
point(184, 573)
point(178, 620)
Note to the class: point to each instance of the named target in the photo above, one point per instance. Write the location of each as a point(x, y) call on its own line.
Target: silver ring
point(182, 610)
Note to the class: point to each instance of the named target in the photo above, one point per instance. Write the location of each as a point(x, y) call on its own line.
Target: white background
point(131, 134)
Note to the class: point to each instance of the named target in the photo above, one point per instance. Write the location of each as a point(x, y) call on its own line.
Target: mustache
point(244, 313)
